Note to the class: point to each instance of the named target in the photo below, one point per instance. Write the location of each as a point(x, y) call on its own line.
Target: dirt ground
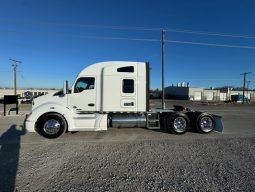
point(132, 159)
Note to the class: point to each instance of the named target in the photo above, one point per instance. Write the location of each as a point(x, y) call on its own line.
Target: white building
point(201, 94)
point(21, 92)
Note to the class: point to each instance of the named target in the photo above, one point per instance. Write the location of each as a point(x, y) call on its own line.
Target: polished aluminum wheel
point(180, 124)
point(51, 126)
point(206, 124)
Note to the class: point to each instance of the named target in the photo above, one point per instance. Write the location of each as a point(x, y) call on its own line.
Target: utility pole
point(163, 69)
point(14, 65)
point(244, 81)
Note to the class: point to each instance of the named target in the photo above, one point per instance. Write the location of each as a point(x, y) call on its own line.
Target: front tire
point(51, 125)
point(177, 123)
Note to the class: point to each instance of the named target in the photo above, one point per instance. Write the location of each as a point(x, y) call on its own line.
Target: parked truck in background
point(239, 98)
point(111, 94)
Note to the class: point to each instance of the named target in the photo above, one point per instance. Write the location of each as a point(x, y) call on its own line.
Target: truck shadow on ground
point(9, 157)
point(165, 130)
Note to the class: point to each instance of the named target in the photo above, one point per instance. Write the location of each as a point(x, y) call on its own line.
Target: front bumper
point(29, 124)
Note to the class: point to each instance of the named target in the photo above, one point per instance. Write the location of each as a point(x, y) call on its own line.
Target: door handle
point(91, 104)
point(129, 104)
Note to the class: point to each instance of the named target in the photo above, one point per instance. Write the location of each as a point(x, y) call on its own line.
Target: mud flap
point(218, 124)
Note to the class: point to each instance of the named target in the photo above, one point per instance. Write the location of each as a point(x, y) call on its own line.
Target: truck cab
point(109, 87)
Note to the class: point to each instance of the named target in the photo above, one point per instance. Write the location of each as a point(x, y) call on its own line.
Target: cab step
point(153, 120)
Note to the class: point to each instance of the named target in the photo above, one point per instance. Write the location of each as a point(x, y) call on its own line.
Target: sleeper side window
point(129, 69)
point(84, 83)
point(128, 86)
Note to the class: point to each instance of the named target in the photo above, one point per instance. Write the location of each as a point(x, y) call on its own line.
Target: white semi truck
point(111, 94)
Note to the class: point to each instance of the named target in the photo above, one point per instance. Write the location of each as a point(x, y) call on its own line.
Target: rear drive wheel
point(205, 123)
point(177, 123)
point(51, 125)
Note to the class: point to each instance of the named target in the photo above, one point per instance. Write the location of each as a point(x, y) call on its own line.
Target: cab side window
point(84, 83)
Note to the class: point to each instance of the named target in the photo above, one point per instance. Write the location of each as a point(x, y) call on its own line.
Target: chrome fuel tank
point(127, 120)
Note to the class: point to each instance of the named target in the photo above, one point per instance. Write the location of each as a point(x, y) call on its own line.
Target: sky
point(56, 39)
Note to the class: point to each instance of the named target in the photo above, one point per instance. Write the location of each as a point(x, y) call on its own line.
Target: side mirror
point(65, 88)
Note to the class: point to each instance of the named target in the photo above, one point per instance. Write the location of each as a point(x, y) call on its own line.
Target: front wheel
point(51, 125)
point(177, 123)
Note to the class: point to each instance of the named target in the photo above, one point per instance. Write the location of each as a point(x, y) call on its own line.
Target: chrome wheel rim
point(51, 126)
point(206, 124)
point(180, 124)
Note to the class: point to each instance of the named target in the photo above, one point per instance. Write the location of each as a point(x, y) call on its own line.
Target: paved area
point(132, 159)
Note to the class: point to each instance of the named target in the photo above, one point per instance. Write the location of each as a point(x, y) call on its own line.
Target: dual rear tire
point(205, 123)
point(179, 123)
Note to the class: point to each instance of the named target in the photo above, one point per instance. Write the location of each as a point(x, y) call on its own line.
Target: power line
point(139, 39)
point(211, 44)
point(215, 79)
point(136, 28)
point(121, 38)
point(212, 33)
point(83, 36)
point(9, 71)
point(23, 78)
point(114, 27)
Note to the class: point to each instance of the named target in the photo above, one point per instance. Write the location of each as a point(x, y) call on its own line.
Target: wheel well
point(43, 115)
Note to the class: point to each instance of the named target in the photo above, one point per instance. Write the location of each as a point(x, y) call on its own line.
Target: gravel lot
point(132, 159)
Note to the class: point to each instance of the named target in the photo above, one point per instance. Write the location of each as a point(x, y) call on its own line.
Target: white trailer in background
point(110, 94)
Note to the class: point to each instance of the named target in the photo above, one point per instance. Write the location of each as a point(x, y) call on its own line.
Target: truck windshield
point(84, 83)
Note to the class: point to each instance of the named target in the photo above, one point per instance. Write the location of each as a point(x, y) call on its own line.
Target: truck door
point(83, 97)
